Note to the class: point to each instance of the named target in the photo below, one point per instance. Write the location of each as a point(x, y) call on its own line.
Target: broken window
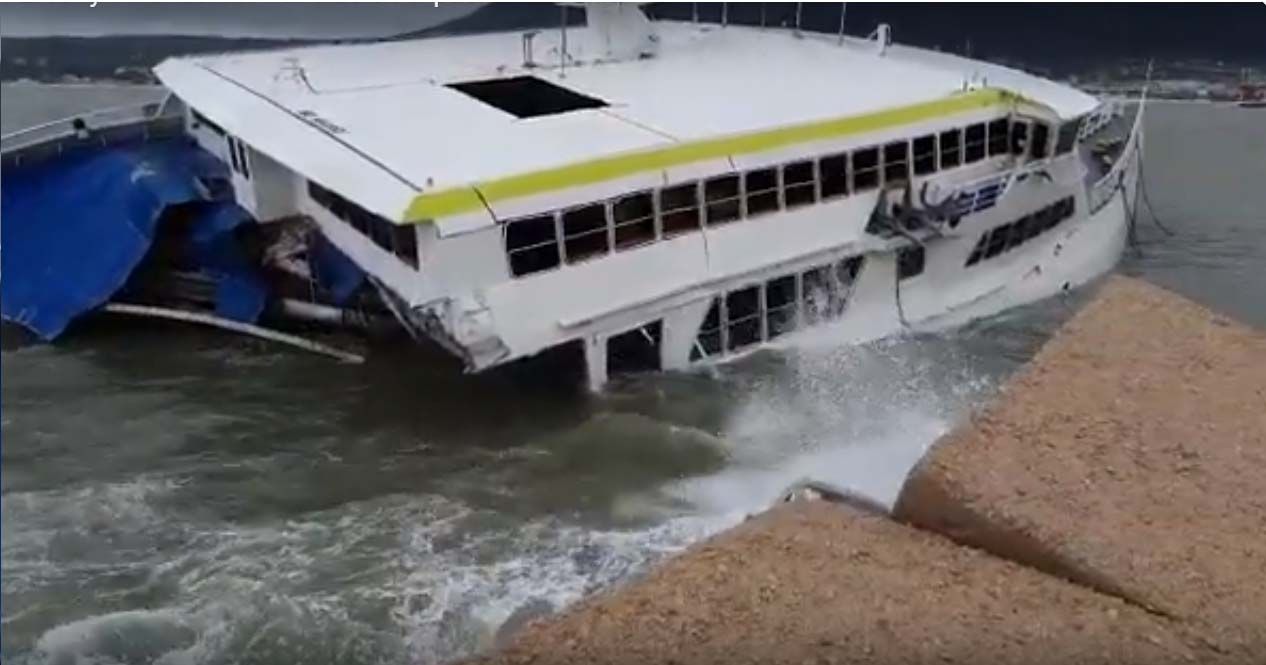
point(924, 154)
point(897, 162)
point(818, 294)
point(721, 198)
point(974, 143)
point(1067, 136)
point(910, 262)
point(635, 350)
point(951, 148)
point(798, 184)
point(708, 342)
point(1038, 144)
point(999, 137)
point(780, 305)
point(762, 191)
point(585, 232)
point(833, 173)
point(1020, 138)
point(527, 96)
point(742, 318)
point(679, 209)
point(633, 217)
point(865, 169)
point(532, 245)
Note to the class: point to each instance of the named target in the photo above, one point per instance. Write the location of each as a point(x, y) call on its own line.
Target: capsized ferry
point(648, 194)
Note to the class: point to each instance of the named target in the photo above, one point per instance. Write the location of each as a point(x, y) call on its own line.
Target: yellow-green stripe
point(457, 200)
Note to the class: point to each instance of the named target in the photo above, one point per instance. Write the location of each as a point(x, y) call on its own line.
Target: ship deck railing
point(101, 128)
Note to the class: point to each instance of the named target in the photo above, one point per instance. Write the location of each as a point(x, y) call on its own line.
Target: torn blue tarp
point(338, 275)
point(75, 227)
point(240, 292)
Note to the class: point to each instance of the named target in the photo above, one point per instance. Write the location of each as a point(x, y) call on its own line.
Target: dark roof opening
point(527, 96)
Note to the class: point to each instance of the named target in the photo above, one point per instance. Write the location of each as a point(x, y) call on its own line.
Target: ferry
point(649, 195)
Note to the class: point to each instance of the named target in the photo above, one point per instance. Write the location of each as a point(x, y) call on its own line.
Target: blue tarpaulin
point(333, 271)
point(75, 227)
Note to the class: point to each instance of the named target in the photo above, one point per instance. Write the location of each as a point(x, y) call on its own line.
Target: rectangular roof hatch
point(527, 96)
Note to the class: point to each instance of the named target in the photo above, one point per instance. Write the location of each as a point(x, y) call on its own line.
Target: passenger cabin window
point(780, 305)
point(397, 239)
point(951, 148)
point(897, 162)
point(974, 143)
point(1020, 139)
point(865, 169)
point(833, 173)
point(999, 137)
point(743, 318)
point(633, 217)
point(722, 199)
point(924, 154)
point(585, 232)
point(679, 209)
point(1039, 143)
point(1067, 136)
point(532, 245)
point(762, 191)
point(798, 184)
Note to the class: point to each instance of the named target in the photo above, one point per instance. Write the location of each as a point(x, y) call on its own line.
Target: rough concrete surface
point(816, 582)
point(1129, 457)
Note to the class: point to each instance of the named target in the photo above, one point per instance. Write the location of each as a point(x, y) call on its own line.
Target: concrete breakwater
point(1108, 507)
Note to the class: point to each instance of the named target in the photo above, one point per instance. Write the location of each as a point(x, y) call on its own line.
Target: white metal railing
point(99, 119)
point(1099, 118)
point(1100, 193)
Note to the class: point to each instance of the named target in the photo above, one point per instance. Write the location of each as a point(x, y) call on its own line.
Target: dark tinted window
point(897, 162)
point(721, 196)
point(798, 184)
point(1039, 146)
point(780, 305)
point(1067, 136)
point(679, 209)
point(951, 148)
point(974, 144)
point(924, 154)
point(865, 169)
point(585, 232)
point(762, 191)
point(634, 219)
point(999, 137)
point(833, 172)
point(532, 245)
point(1020, 138)
point(743, 319)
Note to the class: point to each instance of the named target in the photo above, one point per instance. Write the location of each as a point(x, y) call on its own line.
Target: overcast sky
point(273, 19)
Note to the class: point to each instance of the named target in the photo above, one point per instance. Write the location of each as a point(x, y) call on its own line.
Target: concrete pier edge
point(1109, 506)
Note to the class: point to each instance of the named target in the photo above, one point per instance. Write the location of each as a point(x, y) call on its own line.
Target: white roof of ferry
point(405, 132)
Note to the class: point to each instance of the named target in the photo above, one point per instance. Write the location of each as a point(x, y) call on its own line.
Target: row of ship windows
point(1003, 238)
point(764, 311)
point(532, 243)
point(400, 240)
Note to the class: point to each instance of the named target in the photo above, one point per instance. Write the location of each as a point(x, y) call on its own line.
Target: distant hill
point(1050, 37)
point(113, 57)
